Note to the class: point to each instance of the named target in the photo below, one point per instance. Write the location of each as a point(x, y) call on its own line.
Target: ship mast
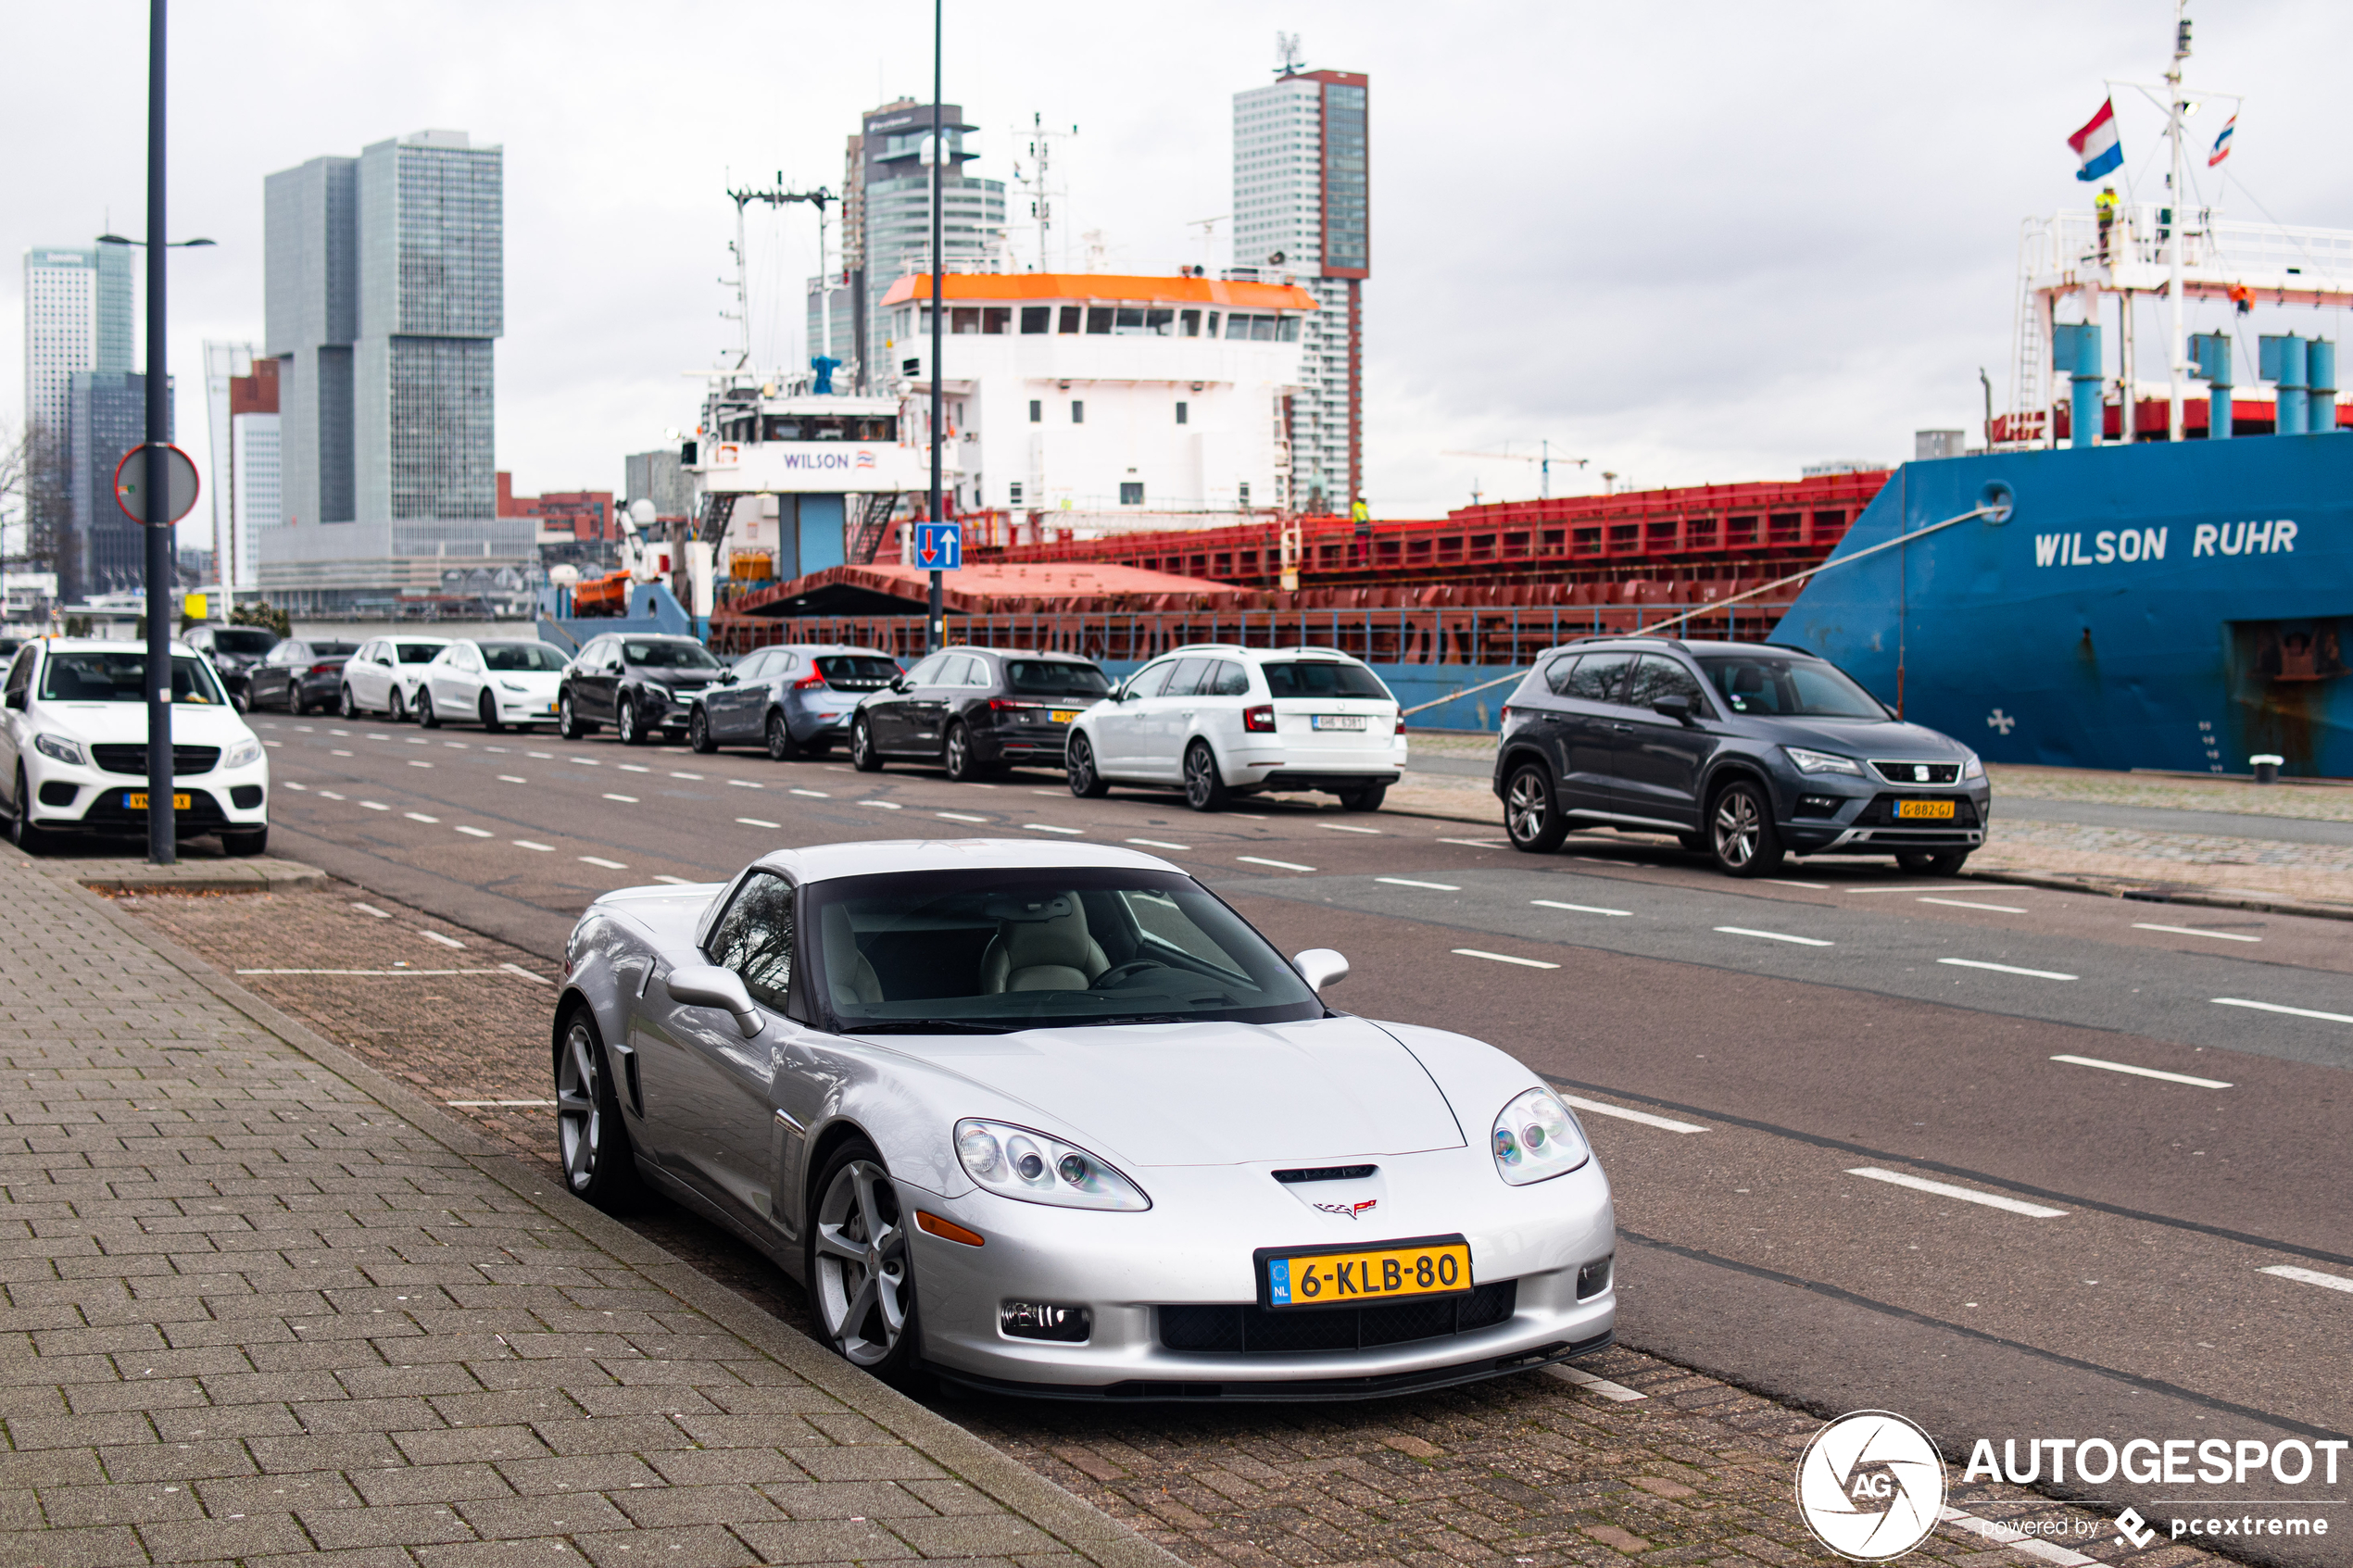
point(2178, 346)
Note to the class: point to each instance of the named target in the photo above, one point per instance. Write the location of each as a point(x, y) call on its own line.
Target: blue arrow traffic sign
point(939, 547)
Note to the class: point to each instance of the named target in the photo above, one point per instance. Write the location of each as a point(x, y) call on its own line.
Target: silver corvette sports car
point(1054, 1119)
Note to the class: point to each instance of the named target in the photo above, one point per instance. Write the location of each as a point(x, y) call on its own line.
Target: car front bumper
point(232, 797)
point(1839, 814)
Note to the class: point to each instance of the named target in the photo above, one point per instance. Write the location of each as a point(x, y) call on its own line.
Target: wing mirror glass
point(1676, 707)
point(708, 985)
point(1320, 967)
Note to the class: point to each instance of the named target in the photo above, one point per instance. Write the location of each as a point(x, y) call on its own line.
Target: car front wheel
point(861, 1271)
point(29, 839)
point(1740, 831)
point(1078, 763)
point(1532, 816)
point(863, 755)
point(568, 722)
point(487, 711)
point(626, 728)
point(396, 707)
point(345, 706)
point(425, 714)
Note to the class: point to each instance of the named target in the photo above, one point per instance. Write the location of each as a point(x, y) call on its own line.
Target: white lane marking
point(1344, 827)
point(377, 737)
point(1479, 843)
point(1580, 908)
point(291, 784)
point(499, 749)
point(697, 777)
point(437, 936)
point(526, 844)
point(600, 860)
point(1408, 882)
point(277, 745)
point(1965, 904)
point(375, 805)
point(1592, 1385)
point(2274, 1006)
point(2193, 931)
point(455, 745)
point(2013, 969)
point(1049, 827)
point(1242, 816)
point(513, 778)
point(419, 762)
point(1775, 936)
point(1784, 882)
point(1623, 1114)
point(329, 795)
point(2309, 1276)
point(675, 881)
point(757, 822)
point(2143, 1071)
point(1504, 957)
point(1278, 865)
point(419, 740)
point(339, 732)
point(584, 761)
point(1057, 794)
point(338, 753)
point(959, 817)
point(880, 805)
point(476, 1104)
point(370, 910)
point(624, 799)
point(420, 973)
point(813, 794)
point(1158, 843)
point(2018, 1540)
point(746, 783)
point(534, 979)
point(632, 766)
point(475, 833)
point(421, 817)
point(1966, 1195)
point(304, 728)
point(542, 756)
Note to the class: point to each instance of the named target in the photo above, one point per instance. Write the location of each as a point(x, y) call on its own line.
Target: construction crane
point(1542, 458)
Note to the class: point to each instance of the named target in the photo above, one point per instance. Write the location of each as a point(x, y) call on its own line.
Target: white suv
point(1223, 721)
point(73, 746)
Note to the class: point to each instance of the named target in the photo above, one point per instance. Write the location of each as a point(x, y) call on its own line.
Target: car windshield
point(122, 677)
point(1807, 688)
point(1322, 678)
point(669, 656)
point(535, 657)
point(856, 672)
point(1054, 677)
point(244, 639)
point(421, 653)
point(993, 951)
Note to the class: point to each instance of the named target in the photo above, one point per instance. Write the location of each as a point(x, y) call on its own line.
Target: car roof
point(827, 862)
point(1635, 642)
point(1018, 653)
point(105, 645)
point(1237, 650)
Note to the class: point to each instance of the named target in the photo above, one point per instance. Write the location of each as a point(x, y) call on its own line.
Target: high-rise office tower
point(105, 417)
point(77, 318)
point(1301, 188)
point(384, 295)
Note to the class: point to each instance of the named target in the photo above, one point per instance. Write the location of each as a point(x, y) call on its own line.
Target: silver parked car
point(1055, 1120)
point(794, 698)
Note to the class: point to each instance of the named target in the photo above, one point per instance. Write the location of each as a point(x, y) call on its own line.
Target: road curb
point(260, 874)
point(2190, 896)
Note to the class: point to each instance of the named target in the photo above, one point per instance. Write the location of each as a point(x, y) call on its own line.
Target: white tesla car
point(1054, 1119)
point(73, 746)
point(494, 683)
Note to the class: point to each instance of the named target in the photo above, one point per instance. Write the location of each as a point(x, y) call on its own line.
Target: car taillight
point(999, 705)
point(1400, 722)
point(328, 669)
point(807, 682)
point(1259, 719)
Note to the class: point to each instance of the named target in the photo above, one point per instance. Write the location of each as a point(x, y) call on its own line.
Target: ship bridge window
point(965, 318)
point(1189, 323)
point(1129, 322)
point(1256, 328)
point(1287, 329)
point(1069, 323)
point(1098, 319)
point(1159, 321)
point(832, 427)
point(996, 319)
point(1037, 318)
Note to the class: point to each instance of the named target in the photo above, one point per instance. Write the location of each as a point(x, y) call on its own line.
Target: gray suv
point(1743, 751)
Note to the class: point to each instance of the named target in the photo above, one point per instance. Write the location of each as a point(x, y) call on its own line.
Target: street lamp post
point(935, 627)
point(162, 818)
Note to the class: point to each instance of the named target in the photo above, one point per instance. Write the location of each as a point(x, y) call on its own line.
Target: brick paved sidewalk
point(262, 1304)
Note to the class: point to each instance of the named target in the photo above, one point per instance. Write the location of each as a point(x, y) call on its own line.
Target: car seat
point(1054, 954)
point(851, 978)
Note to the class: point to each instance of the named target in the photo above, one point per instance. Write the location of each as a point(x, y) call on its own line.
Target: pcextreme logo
point(1870, 1485)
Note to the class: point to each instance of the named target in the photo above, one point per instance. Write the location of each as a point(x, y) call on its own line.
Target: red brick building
point(585, 515)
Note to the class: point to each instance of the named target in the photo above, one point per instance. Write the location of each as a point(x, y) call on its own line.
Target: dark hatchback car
point(977, 711)
point(639, 684)
point(298, 675)
point(1745, 752)
point(795, 699)
point(234, 650)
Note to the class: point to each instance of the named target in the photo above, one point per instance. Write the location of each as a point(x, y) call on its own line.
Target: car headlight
point(1016, 1162)
point(244, 754)
point(1972, 769)
point(1536, 1139)
point(64, 750)
point(1821, 762)
point(514, 685)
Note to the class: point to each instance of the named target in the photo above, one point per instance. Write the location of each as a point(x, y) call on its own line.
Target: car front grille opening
point(1920, 772)
point(131, 757)
point(1325, 1173)
point(1256, 1331)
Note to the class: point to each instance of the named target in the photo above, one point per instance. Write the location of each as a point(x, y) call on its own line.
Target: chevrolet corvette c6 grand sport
point(1055, 1120)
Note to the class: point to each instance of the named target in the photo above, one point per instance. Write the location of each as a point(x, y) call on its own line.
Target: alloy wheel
point(1527, 805)
point(579, 1107)
point(626, 728)
point(1204, 791)
point(780, 741)
point(864, 1282)
point(956, 755)
point(395, 709)
point(1738, 826)
point(345, 707)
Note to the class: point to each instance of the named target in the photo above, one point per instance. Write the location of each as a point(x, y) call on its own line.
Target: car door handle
point(1621, 728)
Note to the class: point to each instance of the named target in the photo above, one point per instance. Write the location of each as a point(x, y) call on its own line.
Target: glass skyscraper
point(77, 320)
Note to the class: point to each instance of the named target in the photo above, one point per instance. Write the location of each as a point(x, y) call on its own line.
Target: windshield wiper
point(925, 1027)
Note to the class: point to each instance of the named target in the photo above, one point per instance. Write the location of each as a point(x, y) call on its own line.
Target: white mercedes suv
point(1220, 721)
point(73, 746)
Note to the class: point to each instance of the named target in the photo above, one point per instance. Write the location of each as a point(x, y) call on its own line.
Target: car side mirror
point(1676, 707)
point(708, 985)
point(1320, 967)
point(900, 684)
point(1124, 694)
point(15, 699)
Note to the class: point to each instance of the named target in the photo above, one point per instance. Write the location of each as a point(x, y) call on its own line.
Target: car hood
point(107, 723)
point(1864, 737)
point(676, 680)
point(1211, 1094)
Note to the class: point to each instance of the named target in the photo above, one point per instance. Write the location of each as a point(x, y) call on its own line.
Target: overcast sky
point(1713, 242)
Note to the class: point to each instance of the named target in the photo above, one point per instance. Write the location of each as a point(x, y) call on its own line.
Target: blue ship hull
point(2178, 606)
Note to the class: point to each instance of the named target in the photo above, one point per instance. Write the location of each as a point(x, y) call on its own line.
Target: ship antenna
point(2177, 347)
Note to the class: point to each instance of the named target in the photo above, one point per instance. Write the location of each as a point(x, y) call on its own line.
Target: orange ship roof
point(1024, 287)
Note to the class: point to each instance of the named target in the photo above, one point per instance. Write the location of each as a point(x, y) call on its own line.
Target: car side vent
point(1325, 1173)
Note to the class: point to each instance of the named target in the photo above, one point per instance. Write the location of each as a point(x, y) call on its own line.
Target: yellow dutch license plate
point(139, 802)
point(1350, 1276)
point(1939, 808)
point(1065, 715)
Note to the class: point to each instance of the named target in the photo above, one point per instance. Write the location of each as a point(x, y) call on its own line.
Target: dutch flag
point(2096, 144)
point(2222, 143)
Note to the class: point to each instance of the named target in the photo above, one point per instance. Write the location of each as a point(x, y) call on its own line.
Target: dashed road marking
point(624, 799)
point(1049, 827)
point(585, 761)
point(1580, 908)
point(338, 752)
point(1278, 865)
point(513, 778)
point(2143, 1071)
point(1624, 1114)
point(2276, 1007)
point(1618, 1392)
point(527, 843)
point(880, 805)
point(600, 860)
point(2309, 1276)
point(959, 817)
point(1966, 1195)
point(1479, 843)
point(437, 936)
point(2013, 969)
point(757, 822)
point(1158, 843)
point(375, 805)
point(813, 794)
point(419, 762)
point(1775, 936)
point(291, 784)
point(697, 777)
point(329, 795)
point(2193, 931)
point(475, 833)
point(1784, 882)
point(518, 970)
point(1503, 957)
point(421, 817)
point(1347, 827)
point(632, 766)
point(746, 783)
point(1409, 882)
point(675, 881)
point(1965, 904)
point(542, 756)
point(372, 910)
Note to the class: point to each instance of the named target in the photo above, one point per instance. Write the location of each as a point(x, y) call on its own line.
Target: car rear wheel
point(1740, 831)
point(1205, 785)
point(862, 1272)
point(1931, 862)
point(863, 755)
point(1532, 817)
point(346, 707)
point(487, 711)
point(242, 844)
point(1366, 799)
point(956, 755)
point(425, 714)
point(1078, 763)
point(568, 722)
point(698, 732)
point(29, 839)
point(598, 1161)
point(781, 747)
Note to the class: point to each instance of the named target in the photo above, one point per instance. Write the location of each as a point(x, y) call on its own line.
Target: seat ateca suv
point(1744, 752)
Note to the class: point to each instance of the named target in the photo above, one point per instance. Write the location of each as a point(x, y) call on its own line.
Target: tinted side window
point(1598, 677)
point(1150, 681)
point(754, 938)
point(1185, 680)
point(1227, 679)
point(926, 673)
point(1558, 672)
point(1657, 676)
point(979, 672)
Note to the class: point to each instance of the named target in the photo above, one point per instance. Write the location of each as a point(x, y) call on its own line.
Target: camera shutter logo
point(1870, 1485)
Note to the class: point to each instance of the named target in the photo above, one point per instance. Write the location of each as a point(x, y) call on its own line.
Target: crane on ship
point(1543, 457)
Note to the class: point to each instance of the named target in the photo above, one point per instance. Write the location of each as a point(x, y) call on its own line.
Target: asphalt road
point(2131, 1114)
